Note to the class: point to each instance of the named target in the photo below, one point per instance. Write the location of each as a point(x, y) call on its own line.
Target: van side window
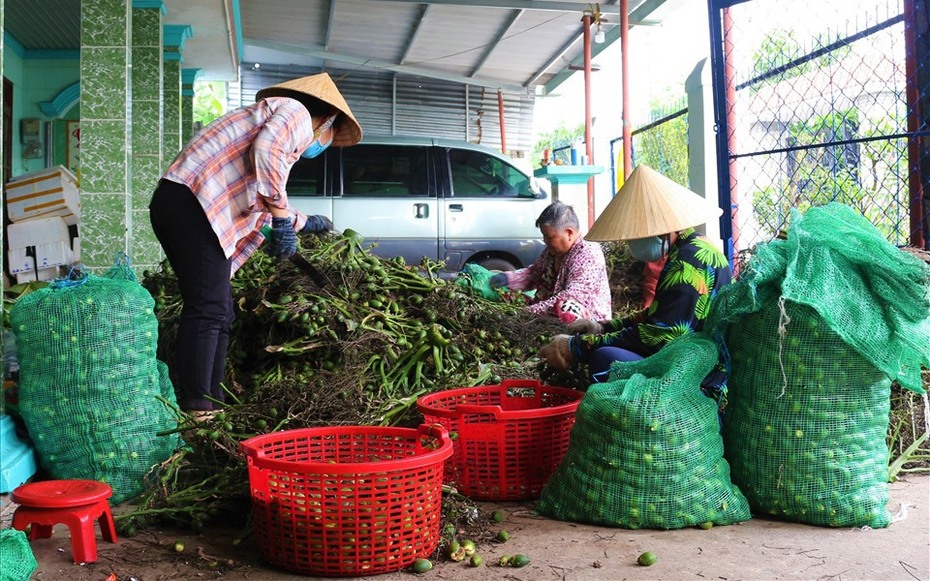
point(476, 175)
point(384, 171)
point(306, 177)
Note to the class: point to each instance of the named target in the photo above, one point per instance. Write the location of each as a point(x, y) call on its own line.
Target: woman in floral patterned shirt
point(692, 275)
point(570, 276)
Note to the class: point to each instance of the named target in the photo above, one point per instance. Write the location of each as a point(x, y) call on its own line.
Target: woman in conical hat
point(656, 217)
point(210, 206)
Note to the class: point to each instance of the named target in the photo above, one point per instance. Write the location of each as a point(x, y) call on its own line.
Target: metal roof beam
point(330, 24)
point(492, 46)
point(387, 66)
point(638, 17)
point(550, 6)
point(416, 32)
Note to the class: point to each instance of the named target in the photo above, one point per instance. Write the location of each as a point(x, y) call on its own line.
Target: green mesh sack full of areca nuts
point(815, 329)
point(92, 394)
point(645, 450)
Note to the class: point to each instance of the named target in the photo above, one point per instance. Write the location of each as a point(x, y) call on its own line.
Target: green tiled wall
point(106, 132)
point(172, 106)
point(147, 131)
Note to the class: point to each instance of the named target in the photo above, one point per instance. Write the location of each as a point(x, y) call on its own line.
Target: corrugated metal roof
point(397, 104)
point(517, 45)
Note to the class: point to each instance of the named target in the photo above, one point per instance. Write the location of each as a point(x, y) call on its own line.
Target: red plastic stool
point(75, 503)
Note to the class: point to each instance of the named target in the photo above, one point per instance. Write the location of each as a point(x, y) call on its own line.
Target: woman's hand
point(557, 353)
point(585, 327)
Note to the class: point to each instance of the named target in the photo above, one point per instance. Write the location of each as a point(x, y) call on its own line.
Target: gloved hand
point(557, 353)
point(498, 280)
point(283, 238)
point(316, 224)
point(585, 327)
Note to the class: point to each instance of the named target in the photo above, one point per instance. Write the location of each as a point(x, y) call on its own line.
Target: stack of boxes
point(44, 207)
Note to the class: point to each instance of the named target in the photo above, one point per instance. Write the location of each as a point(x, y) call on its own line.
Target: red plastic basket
point(508, 439)
point(347, 501)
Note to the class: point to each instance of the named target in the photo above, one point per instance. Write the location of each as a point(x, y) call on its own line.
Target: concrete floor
point(758, 549)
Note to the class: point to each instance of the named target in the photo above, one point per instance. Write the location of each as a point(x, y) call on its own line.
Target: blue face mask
point(647, 249)
point(316, 148)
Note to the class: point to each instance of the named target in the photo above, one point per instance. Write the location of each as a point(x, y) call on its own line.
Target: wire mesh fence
point(817, 110)
point(660, 141)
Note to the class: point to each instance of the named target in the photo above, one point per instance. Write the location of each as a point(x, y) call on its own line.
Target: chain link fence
point(817, 110)
point(660, 141)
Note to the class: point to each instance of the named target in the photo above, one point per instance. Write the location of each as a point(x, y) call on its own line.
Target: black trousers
point(203, 272)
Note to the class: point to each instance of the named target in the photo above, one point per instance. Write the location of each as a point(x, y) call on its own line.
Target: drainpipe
point(500, 113)
point(589, 145)
point(729, 70)
point(913, 125)
point(625, 77)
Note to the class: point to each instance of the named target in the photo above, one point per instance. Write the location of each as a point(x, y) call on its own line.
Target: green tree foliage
point(561, 136)
point(209, 101)
point(863, 176)
point(664, 148)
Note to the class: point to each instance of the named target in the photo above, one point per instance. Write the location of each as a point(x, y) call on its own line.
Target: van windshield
point(476, 175)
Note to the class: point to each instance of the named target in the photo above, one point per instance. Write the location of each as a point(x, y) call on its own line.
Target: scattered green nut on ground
point(421, 565)
point(476, 561)
point(502, 536)
point(646, 559)
point(497, 516)
point(519, 561)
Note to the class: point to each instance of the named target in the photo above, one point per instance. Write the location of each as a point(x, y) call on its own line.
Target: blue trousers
point(599, 364)
point(204, 273)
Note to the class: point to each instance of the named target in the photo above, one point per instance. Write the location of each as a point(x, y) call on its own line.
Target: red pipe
point(729, 71)
point(624, 60)
point(589, 142)
point(500, 113)
point(913, 125)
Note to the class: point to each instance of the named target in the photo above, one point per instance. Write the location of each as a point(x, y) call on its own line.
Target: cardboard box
point(44, 194)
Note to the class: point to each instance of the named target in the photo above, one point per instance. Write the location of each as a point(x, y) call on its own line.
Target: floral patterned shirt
point(694, 272)
point(582, 277)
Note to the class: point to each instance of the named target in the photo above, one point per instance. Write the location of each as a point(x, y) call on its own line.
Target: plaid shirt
point(239, 163)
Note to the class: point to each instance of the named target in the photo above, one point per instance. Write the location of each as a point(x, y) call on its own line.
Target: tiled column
point(188, 76)
point(147, 102)
point(106, 130)
point(174, 37)
point(2, 206)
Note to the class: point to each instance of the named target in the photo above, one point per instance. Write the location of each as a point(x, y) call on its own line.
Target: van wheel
point(496, 264)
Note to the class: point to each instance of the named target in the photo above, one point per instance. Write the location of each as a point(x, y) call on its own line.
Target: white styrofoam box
point(53, 254)
point(48, 273)
point(36, 232)
point(42, 194)
point(19, 262)
point(25, 277)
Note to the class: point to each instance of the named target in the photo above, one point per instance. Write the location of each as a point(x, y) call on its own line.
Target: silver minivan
point(447, 200)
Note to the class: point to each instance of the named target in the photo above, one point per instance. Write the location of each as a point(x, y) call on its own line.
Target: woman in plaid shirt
point(211, 204)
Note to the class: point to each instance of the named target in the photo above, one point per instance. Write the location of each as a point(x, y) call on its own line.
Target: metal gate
point(818, 102)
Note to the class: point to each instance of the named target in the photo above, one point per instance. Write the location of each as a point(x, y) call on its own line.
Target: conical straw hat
point(323, 88)
point(650, 204)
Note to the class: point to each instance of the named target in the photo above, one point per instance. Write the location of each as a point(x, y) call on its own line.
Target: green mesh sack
point(477, 278)
point(17, 562)
point(645, 450)
point(815, 328)
point(90, 382)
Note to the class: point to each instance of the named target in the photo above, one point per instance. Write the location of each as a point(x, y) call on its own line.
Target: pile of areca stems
point(359, 351)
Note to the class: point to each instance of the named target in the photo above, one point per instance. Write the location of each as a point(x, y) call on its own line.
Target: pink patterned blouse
point(582, 277)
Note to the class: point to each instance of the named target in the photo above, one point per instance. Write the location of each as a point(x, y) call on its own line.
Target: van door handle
point(421, 211)
point(455, 207)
